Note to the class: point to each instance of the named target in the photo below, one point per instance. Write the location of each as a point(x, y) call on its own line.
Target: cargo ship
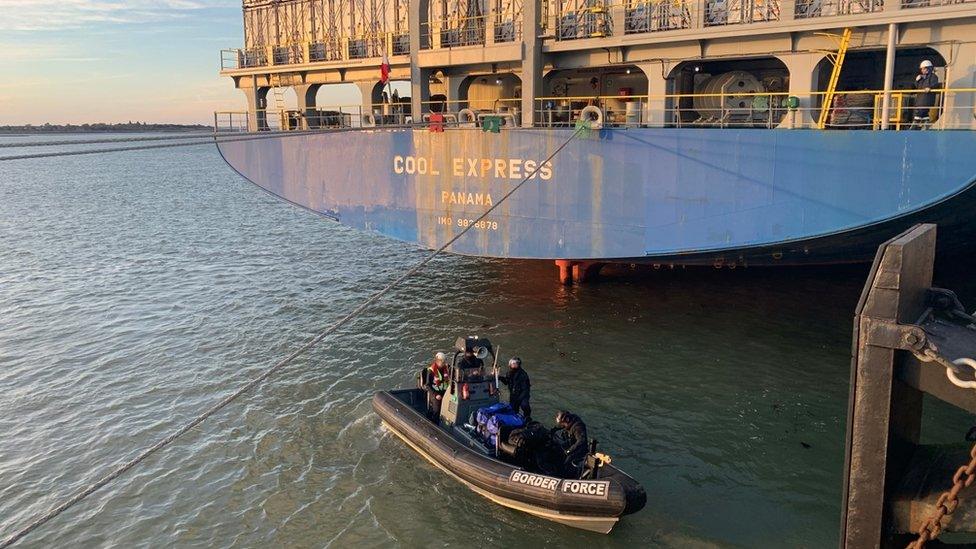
point(723, 132)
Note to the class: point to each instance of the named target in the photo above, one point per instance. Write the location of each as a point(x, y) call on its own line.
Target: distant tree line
point(101, 127)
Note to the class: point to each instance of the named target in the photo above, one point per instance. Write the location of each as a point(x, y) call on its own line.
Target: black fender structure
point(594, 505)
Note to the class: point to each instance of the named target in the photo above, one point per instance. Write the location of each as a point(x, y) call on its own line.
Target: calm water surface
point(137, 289)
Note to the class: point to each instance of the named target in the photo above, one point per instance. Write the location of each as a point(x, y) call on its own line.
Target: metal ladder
point(837, 59)
point(278, 85)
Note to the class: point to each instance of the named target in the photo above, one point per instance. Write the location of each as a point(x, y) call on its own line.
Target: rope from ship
point(187, 135)
point(191, 142)
point(122, 469)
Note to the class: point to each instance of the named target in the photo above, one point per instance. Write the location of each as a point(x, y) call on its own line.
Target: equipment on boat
point(482, 443)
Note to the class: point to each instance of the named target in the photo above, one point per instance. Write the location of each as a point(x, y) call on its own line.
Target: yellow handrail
point(746, 94)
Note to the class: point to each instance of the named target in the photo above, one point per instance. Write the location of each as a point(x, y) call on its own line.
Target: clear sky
point(72, 61)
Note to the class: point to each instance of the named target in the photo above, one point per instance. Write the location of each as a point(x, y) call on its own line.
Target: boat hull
point(545, 497)
point(683, 196)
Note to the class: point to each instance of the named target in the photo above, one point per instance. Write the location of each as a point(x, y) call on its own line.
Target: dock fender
point(594, 115)
point(369, 120)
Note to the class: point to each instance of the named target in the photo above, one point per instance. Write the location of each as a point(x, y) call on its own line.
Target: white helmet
point(925, 64)
point(440, 356)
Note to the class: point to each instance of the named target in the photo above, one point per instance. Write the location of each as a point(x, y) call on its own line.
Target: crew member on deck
point(575, 435)
point(472, 366)
point(436, 381)
point(925, 81)
point(518, 387)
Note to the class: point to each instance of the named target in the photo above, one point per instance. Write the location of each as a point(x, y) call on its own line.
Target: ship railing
point(480, 30)
point(806, 9)
point(314, 118)
point(931, 3)
point(954, 108)
point(335, 48)
point(473, 112)
point(856, 109)
point(587, 19)
point(243, 58)
point(642, 16)
point(231, 122)
point(737, 12)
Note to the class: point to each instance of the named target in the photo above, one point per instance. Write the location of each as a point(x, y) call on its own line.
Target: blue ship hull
point(681, 196)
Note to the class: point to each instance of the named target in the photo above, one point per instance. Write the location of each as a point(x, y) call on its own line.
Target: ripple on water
point(136, 290)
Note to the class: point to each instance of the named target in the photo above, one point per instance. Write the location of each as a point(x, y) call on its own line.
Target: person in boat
point(574, 434)
point(471, 366)
point(518, 387)
point(925, 81)
point(436, 382)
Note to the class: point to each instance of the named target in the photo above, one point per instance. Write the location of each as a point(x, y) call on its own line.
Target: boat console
point(470, 388)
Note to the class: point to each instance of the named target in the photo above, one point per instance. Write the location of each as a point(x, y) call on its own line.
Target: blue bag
point(486, 413)
point(500, 420)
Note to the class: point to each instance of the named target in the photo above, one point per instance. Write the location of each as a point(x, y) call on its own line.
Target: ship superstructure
point(733, 131)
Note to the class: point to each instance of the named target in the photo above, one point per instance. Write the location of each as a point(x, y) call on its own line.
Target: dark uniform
point(518, 391)
point(926, 100)
point(577, 444)
point(472, 367)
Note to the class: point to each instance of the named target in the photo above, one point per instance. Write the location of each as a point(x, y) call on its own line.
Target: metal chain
point(947, 503)
point(930, 353)
point(965, 476)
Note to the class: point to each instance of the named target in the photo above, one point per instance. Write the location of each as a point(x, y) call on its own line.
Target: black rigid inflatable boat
point(594, 501)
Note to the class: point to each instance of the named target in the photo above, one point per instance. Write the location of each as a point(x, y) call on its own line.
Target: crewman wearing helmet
point(574, 435)
point(436, 382)
point(926, 81)
point(519, 388)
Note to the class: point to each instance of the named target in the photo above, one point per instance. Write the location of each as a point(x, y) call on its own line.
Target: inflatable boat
point(499, 466)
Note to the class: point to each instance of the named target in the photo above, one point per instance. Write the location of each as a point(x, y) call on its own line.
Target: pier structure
point(707, 63)
point(914, 346)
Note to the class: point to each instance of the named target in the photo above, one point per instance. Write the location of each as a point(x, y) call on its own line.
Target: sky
point(76, 61)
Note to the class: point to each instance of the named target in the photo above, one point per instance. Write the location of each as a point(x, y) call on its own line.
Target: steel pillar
point(889, 76)
point(419, 78)
point(531, 60)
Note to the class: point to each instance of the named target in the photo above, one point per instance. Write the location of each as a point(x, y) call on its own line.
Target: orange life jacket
point(438, 377)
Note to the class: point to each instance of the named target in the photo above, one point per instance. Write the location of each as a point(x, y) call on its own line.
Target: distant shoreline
point(130, 127)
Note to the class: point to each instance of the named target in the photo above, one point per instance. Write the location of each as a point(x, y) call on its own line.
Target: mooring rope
point(215, 135)
point(189, 143)
point(187, 135)
point(40, 520)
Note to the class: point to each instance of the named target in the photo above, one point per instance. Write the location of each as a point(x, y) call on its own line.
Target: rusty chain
point(947, 503)
point(965, 476)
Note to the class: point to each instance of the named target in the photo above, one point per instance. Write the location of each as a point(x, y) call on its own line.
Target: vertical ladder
point(837, 58)
point(278, 93)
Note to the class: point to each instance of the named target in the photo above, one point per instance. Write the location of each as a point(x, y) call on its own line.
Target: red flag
point(384, 70)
